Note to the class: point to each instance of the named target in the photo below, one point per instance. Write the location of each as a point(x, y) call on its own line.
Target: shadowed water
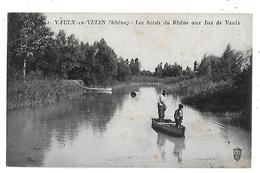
point(102, 130)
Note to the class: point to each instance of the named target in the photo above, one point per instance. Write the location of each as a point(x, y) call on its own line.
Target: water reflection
point(178, 145)
point(31, 131)
point(161, 144)
point(99, 108)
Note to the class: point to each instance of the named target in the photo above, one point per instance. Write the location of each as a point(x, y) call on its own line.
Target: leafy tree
point(28, 37)
point(205, 67)
point(60, 48)
point(243, 83)
point(158, 70)
point(166, 70)
point(244, 79)
point(105, 62)
point(123, 69)
point(232, 62)
point(176, 70)
point(135, 66)
point(71, 56)
point(188, 72)
point(195, 68)
point(225, 67)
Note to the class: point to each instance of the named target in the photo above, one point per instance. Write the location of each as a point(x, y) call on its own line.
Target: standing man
point(161, 105)
point(178, 116)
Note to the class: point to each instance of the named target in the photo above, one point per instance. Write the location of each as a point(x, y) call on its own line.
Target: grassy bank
point(33, 93)
point(156, 80)
point(223, 98)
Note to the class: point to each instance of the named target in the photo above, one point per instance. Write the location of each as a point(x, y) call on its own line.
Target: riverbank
point(158, 80)
point(222, 97)
point(33, 93)
point(135, 81)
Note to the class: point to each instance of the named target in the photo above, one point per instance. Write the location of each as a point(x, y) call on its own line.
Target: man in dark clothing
point(178, 116)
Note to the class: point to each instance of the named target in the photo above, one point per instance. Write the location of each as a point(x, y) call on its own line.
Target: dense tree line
point(34, 52)
point(231, 65)
point(175, 70)
point(225, 67)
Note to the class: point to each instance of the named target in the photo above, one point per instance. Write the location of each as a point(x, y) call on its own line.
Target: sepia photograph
point(143, 90)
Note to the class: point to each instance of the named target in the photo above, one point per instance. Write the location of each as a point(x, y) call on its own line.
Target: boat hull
point(168, 127)
point(98, 90)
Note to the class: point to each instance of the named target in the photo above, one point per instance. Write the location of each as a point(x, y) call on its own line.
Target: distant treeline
point(228, 66)
point(168, 70)
point(35, 52)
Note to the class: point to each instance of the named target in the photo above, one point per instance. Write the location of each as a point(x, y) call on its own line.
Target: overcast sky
point(164, 43)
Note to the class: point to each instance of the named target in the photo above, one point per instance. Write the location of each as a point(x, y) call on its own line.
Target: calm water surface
point(102, 130)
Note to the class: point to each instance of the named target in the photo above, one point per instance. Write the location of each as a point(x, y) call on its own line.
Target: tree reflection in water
point(31, 131)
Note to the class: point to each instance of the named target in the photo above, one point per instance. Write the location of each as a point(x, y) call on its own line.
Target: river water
point(114, 130)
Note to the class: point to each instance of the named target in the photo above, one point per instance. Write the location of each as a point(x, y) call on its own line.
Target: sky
point(153, 44)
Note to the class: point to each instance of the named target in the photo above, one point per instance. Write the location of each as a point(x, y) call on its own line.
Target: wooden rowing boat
point(168, 127)
point(98, 90)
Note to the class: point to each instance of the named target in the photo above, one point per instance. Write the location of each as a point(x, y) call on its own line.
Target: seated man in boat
point(161, 105)
point(178, 116)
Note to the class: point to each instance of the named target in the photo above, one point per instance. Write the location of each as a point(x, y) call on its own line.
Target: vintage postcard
point(129, 90)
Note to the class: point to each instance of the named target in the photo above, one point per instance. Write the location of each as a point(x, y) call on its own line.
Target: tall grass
point(39, 92)
point(221, 97)
point(204, 93)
